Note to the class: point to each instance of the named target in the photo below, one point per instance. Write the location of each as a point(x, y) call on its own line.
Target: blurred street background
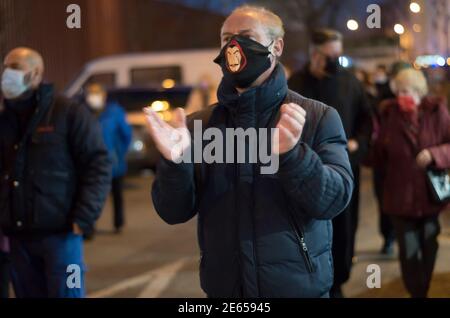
point(111, 27)
point(153, 259)
point(160, 54)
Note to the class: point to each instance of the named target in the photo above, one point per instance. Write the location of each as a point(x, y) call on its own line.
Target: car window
point(156, 76)
point(106, 79)
point(134, 99)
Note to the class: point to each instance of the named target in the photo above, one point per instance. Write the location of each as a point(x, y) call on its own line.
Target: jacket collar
point(258, 99)
point(44, 99)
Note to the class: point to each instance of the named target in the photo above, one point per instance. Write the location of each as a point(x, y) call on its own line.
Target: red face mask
point(406, 103)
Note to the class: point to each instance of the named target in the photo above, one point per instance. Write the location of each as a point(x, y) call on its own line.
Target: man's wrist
point(286, 157)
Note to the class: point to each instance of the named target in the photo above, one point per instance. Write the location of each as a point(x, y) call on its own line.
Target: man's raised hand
point(289, 128)
point(171, 140)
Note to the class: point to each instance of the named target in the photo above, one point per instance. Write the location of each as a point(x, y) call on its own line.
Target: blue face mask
point(13, 83)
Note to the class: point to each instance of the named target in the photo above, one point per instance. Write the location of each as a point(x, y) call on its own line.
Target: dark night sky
point(355, 9)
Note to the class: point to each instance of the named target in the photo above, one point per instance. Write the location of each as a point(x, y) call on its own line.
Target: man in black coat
point(55, 175)
point(325, 80)
point(262, 232)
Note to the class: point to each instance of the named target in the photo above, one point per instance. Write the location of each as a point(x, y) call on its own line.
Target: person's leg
point(4, 275)
point(117, 193)
point(27, 269)
point(384, 221)
point(387, 230)
point(64, 266)
point(344, 234)
point(430, 232)
point(341, 252)
point(354, 210)
point(409, 242)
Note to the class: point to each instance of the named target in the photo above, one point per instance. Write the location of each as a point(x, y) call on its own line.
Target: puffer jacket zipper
point(298, 228)
point(238, 224)
point(300, 236)
point(254, 234)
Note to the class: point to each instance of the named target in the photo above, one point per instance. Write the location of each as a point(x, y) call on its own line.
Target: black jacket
point(57, 173)
point(263, 235)
point(346, 94)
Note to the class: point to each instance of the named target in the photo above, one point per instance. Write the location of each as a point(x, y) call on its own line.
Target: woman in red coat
point(414, 135)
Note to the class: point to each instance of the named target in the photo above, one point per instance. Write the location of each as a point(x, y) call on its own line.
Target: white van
point(193, 68)
point(187, 79)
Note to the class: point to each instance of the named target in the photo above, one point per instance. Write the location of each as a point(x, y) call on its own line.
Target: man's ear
point(35, 77)
point(278, 47)
point(28, 78)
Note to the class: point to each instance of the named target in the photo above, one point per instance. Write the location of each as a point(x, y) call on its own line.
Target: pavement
point(151, 259)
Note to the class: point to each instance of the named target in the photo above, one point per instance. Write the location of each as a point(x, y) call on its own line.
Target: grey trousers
point(418, 246)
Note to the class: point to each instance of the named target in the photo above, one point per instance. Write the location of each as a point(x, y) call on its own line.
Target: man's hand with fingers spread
point(171, 140)
point(290, 128)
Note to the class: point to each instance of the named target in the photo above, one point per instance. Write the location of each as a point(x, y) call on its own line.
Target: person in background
point(4, 250)
point(377, 85)
point(54, 178)
point(117, 134)
point(367, 80)
point(383, 83)
point(414, 136)
point(4, 266)
point(323, 79)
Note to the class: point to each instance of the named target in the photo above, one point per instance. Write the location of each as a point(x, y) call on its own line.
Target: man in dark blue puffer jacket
point(260, 234)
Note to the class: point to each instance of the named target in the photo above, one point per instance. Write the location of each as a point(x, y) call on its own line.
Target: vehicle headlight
point(160, 105)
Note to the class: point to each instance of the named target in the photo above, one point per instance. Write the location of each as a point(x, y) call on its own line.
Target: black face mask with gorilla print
point(243, 60)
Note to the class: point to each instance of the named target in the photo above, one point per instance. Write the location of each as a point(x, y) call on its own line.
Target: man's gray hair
point(270, 20)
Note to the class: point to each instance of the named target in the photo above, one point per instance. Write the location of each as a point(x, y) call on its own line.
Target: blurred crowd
point(397, 123)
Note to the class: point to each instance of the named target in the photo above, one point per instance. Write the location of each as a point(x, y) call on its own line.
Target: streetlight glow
point(399, 29)
point(440, 61)
point(414, 7)
point(352, 25)
point(168, 83)
point(344, 61)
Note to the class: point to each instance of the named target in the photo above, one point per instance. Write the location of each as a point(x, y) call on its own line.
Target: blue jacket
point(117, 134)
point(263, 235)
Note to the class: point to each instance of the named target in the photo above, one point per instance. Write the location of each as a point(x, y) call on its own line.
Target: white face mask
point(13, 83)
point(381, 79)
point(95, 101)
